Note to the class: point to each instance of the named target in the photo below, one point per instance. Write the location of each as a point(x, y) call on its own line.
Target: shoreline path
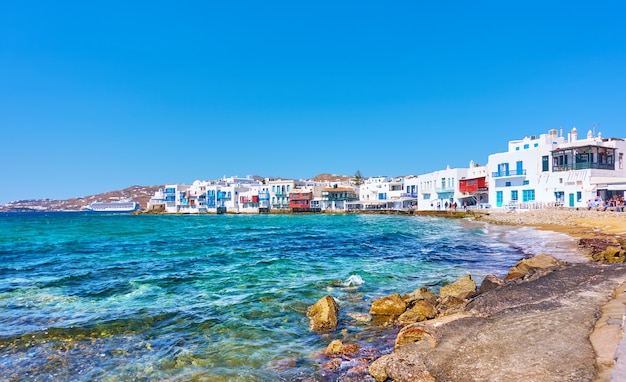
point(607, 336)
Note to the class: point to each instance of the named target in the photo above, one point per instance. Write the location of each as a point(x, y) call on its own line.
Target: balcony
point(441, 190)
point(508, 174)
point(584, 166)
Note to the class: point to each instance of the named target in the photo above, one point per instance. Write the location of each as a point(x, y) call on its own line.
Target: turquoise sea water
point(214, 297)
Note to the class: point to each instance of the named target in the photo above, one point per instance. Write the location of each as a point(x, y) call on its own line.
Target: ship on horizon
point(122, 206)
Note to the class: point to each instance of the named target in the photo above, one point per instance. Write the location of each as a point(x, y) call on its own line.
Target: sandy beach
point(577, 223)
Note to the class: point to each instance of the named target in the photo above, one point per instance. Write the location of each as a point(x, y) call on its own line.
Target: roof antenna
point(594, 128)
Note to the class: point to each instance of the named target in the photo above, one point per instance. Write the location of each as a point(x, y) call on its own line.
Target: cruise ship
point(113, 207)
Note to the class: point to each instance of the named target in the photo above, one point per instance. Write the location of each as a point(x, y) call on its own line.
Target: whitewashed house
point(554, 170)
point(440, 188)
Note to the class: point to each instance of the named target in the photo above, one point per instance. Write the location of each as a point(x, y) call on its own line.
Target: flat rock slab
point(535, 329)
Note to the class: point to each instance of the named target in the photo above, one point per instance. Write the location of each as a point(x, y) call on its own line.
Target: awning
point(616, 187)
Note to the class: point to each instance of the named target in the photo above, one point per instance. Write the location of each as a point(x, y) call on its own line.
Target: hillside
point(140, 194)
point(332, 178)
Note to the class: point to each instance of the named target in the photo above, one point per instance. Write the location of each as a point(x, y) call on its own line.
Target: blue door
point(571, 200)
point(499, 199)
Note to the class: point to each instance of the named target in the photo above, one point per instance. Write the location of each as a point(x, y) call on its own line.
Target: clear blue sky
point(98, 96)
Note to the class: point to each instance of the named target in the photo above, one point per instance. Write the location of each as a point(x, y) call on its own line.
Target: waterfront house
point(554, 170)
point(474, 188)
point(335, 198)
point(279, 190)
point(439, 189)
point(300, 200)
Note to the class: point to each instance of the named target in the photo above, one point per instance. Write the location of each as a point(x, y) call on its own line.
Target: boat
point(121, 206)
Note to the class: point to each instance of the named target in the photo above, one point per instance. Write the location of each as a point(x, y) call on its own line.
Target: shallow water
point(218, 297)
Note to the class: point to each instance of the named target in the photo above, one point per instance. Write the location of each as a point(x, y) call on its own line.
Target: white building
point(212, 196)
point(385, 193)
point(553, 170)
point(279, 190)
point(439, 189)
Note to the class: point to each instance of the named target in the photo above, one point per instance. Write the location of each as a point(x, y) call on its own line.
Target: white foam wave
point(353, 280)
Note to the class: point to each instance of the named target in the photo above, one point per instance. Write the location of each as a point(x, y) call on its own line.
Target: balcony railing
point(584, 166)
point(503, 174)
point(440, 190)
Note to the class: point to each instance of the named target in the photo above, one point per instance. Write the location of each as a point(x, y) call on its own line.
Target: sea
point(90, 297)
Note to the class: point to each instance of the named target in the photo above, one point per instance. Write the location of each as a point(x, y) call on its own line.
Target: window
point(536, 145)
point(503, 169)
point(426, 196)
point(526, 146)
point(559, 196)
point(621, 161)
point(514, 195)
point(507, 184)
point(545, 163)
point(528, 195)
point(526, 182)
point(517, 148)
point(579, 196)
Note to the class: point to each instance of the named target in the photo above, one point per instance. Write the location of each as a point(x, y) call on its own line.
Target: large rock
point(490, 282)
point(417, 371)
point(414, 333)
point(462, 288)
point(323, 314)
point(612, 254)
point(419, 294)
point(392, 305)
point(450, 305)
point(525, 266)
point(421, 311)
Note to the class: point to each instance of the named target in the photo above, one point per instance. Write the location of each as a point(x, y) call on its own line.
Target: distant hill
point(140, 194)
point(332, 178)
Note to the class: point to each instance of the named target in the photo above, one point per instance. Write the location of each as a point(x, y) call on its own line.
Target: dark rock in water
point(338, 348)
point(392, 305)
point(414, 369)
point(490, 282)
point(323, 314)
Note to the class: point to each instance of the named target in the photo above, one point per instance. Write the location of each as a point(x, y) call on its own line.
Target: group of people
point(615, 203)
point(450, 206)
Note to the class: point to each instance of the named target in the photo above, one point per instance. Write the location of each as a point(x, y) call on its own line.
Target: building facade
point(554, 170)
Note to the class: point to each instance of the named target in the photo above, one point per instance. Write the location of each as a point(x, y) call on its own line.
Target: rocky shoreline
point(548, 320)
